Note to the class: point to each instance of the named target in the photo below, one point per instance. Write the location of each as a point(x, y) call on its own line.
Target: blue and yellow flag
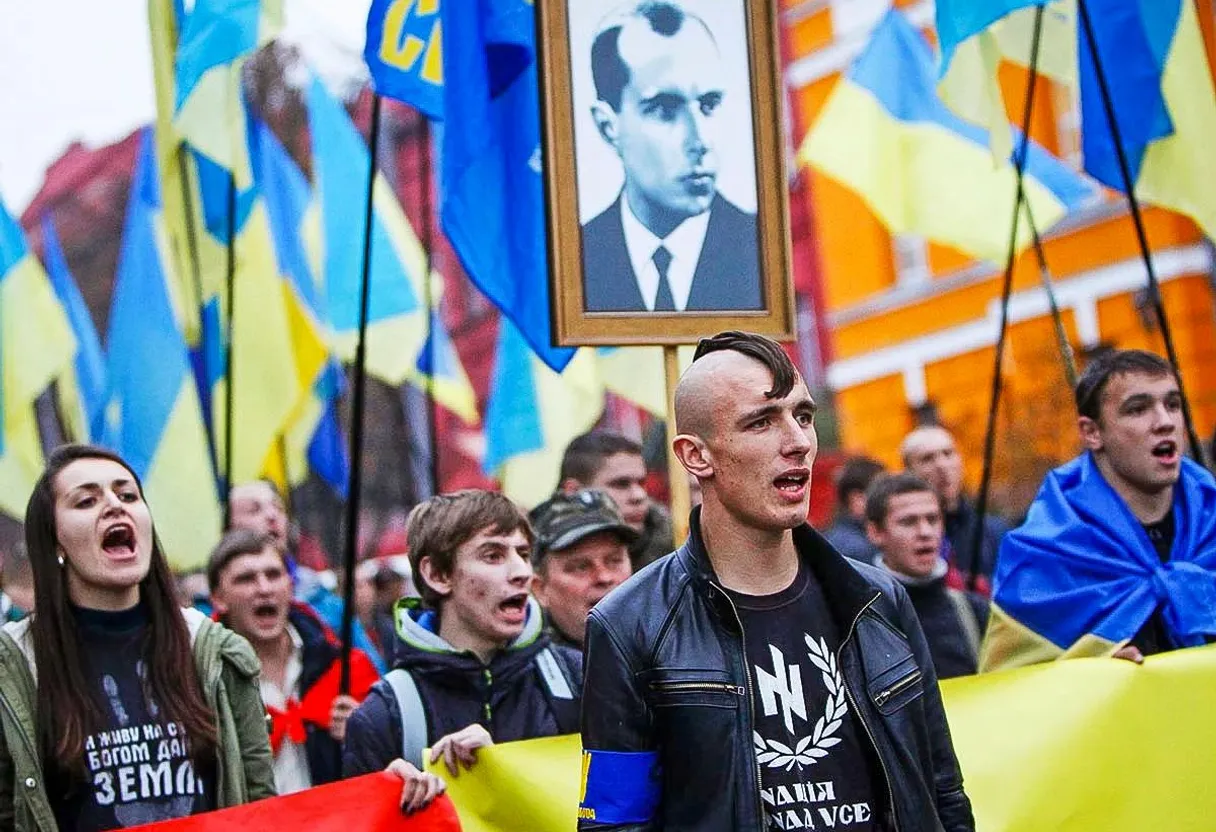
point(404, 52)
point(885, 133)
point(1156, 68)
point(275, 353)
point(286, 195)
point(1067, 747)
point(36, 348)
point(491, 191)
point(398, 350)
point(533, 413)
point(155, 420)
point(1080, 577)
point(396, 313)
point(214, 39)
point(83, 392)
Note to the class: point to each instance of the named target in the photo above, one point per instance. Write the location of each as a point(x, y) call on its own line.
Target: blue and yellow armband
point(619, 786)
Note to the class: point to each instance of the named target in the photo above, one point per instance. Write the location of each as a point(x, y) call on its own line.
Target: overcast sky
point(81, 70)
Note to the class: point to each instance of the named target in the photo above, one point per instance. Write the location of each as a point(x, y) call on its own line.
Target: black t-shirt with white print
point(814, 773)
point(138, 766)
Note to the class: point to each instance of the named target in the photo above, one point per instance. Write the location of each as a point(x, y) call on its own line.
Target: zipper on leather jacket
point(715, 687)
point(900, 686)
point(751, 705)
point(861, 717)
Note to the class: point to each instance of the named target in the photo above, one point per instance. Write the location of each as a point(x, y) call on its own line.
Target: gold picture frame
point(597, 294)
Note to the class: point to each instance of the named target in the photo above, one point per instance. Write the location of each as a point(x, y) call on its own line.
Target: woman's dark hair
point(67, 714)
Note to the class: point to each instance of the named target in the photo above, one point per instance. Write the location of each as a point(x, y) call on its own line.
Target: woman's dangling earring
point(60, 559)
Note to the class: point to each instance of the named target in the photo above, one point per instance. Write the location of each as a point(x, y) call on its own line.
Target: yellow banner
point(1075, 745)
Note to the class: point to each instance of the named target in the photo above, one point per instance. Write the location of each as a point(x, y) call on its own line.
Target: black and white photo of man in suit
point(669, 242)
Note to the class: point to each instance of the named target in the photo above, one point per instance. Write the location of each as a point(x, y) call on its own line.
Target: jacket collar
point(846, 590)
point(419, 628)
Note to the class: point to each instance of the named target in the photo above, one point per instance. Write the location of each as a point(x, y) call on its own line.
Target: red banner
point(364, 804)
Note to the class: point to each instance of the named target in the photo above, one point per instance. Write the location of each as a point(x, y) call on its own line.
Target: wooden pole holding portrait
point(665, 180)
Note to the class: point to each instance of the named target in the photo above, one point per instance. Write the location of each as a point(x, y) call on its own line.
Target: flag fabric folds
point(1178, 169)
point(1156, 69)
point(1043, 748)
point(396, 314)
point(156, 420)
point(36, 348)
point(534, 412)
point(404, 52)
point(83, 396)
point(371, 803)
point(1130, 44)
point(398, 350)
point(214, 38)
point(491, 194)
point(1081, 576)
point(885, 133)
point(286, 194)
point(969, 83)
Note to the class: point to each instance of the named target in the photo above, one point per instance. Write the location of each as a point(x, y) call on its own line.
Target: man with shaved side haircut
point(670, 242)
point(756, 679)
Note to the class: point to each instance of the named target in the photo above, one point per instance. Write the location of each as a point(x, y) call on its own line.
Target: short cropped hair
point(608, 69)
point(233, 545)
point(585, 455)
point(438, 527)
point(1099, 371)
point(888, 486)
point(759, 347)
point(856, 474)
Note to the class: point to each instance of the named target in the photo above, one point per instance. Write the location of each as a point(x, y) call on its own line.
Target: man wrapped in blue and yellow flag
point(1118, 553)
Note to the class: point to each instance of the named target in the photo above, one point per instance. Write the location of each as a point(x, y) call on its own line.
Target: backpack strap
point(966, 617)
point(559, 689)
point(413, 715)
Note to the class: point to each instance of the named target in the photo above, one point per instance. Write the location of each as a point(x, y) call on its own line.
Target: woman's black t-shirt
point(138, 765)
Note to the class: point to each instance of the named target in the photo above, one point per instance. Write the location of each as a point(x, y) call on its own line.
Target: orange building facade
point(913, 324)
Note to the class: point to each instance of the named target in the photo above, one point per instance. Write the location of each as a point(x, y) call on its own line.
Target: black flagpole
point(1019, 162)
point(1129, 188)
point(230, 372)
point(355, 483)
point(428, 241)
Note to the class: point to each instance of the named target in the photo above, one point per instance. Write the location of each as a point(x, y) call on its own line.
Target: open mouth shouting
point(514, 609)
point(1166, 452)
point(118, 541)
point(792, 484)
point(266, 614)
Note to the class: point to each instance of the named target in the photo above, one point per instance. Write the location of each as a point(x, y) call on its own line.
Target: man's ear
point(538, 589)
point(569, 485)
point(877, 536)
point(439, 582)
point(606, 121)
point(1091, 433)
point(694, 455)
point(219, 605)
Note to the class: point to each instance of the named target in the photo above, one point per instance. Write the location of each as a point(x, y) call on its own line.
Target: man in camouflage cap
point(581, 553)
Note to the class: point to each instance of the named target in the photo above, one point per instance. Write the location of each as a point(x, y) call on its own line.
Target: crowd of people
point(705, 686)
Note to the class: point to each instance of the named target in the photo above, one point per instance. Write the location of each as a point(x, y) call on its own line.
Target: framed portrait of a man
point(665, 170)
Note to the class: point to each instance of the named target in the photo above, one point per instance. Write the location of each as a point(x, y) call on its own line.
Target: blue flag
point(484, 88)
point(404, 52)
point(1132, 42)
point(90, 362)
point(492, 194)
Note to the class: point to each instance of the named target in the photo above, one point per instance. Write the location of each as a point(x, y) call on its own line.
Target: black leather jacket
point(665, 671)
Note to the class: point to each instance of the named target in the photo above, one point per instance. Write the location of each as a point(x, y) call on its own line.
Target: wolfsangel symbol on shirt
point(809, 749)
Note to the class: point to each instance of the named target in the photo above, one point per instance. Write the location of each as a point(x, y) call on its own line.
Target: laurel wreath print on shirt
point(810, 749)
